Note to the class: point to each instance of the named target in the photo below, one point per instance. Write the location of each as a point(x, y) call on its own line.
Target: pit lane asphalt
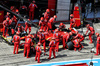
point(7, 58)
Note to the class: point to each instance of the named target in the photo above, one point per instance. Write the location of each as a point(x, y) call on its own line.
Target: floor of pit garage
point(7, 58)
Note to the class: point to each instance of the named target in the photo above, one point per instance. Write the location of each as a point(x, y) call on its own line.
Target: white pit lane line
point(96, 29)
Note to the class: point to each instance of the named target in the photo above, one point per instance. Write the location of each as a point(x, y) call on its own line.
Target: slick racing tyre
point(70, 45)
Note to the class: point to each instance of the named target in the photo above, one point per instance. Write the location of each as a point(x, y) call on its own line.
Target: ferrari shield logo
point(42, 34)
point(15, 38)
point(37, 48)
point(54, 43)
point(76, 41)
point(27, 40)
point(57, 35)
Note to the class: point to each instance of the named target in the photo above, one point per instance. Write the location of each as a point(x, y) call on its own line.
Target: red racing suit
point(79, 36)
point(77, 44)
point(16, 40)
point(12, 29)
point(12, 8)
point(57, 36)
point(65, 39)
point(50, 23)
point(72, 23)
point(27, 26)
point(5, 28)
point(92, 31)
point(31, 10)
point(10, 22)
point(46, 16)
point(28, 42)
point(42, 40)
point(98, 46)
point(52, 46)
point(38, 53)
point(15, 20)
point(42, 25)
point(20, 29)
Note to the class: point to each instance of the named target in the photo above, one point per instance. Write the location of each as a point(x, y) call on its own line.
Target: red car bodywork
point(50, 35)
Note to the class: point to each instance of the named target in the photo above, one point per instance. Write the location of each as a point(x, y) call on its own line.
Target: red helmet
point(54, 16)
point(61, 24)
point(40, 30)
point(39, 43)
point(56, 30)
point(41, 18)
point(47, 10)
point(17, 33)
point(97, 34)
point(17, 10)
point(53, 38)
point(29, 19)
point(71, 15)
point(29, 36)
point(87, 25)
point(12, 7)
point(33, 1)
point(70, 33)
point(19, 24)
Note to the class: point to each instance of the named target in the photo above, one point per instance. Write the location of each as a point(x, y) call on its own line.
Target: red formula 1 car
point(49, 36)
